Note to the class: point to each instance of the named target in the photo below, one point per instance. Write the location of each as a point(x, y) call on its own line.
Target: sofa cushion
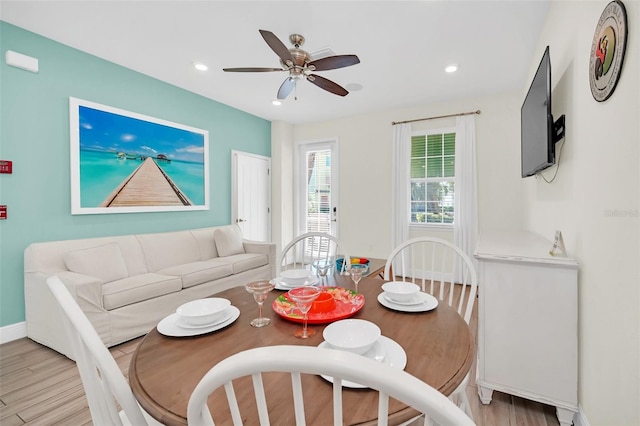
point(229, 241)
point(205, 237)
point(200, 272)
point(138, 288)
point(169, 249)
point(246, 261)
point(104, 262)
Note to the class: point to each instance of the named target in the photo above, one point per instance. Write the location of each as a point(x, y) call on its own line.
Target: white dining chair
point(443, 270)
point(342, 366)
point(310, 247)
point(103, 382)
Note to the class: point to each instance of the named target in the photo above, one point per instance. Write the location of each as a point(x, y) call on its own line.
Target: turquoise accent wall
point(34, 134)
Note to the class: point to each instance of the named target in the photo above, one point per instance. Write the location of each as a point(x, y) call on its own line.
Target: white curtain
point(465, 230)
point(400, 183)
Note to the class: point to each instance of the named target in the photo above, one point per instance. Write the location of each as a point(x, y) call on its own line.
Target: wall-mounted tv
point(539, 132)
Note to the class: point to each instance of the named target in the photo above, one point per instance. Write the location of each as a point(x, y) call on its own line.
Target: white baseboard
point(580, 419)
point(12, 332)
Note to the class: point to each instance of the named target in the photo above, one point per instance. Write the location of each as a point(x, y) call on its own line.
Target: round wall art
point(607, 51)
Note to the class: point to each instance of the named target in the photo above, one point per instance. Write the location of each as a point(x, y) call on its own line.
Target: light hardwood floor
point(38, 386)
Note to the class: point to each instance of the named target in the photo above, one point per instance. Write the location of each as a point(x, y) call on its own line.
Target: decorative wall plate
point(607, 51)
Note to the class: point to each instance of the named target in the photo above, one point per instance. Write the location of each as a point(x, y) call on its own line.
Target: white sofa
point(127, 284)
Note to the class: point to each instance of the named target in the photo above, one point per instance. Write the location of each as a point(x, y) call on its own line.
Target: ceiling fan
point(300, 66)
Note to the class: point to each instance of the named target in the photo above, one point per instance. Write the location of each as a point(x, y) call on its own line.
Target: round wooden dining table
point(165, 370)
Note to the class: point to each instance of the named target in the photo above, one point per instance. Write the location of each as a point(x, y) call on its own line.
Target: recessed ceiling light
point(200, 66)
point(276, 102)
point(451, 68)
point(353, 87)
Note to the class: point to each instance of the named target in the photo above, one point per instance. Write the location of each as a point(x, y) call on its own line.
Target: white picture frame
point(125, 162)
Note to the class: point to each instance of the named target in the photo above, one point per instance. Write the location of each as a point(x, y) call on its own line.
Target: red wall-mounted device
point(3, 212)
point(6, 166)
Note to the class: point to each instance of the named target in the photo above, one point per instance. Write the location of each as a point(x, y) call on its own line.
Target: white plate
point(169, 325)
point(183, 324)
point(418, 298)
point(429, 304)
point(281, 285)
point(386, 350)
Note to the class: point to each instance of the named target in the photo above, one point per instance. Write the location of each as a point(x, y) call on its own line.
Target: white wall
point(594, 202)
point(365, 166)
point(282, 184)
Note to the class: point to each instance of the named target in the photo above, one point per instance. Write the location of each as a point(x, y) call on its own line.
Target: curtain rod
point(393, 123)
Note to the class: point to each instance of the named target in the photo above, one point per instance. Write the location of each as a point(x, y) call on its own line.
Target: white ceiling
point(403, 47)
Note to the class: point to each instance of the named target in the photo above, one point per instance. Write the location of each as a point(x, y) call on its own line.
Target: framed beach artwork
point(124, 162)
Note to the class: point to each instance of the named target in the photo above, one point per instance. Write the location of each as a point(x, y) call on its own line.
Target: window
point(432, 177)
point(318, 190)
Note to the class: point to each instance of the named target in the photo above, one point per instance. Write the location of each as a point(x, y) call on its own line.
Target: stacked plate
point(292, 278)
point(385, 350)
point(199, 317)
point(363, 337)
point(406, 297)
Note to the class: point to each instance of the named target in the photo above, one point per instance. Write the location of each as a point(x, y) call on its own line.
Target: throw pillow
point(103, 262)
point(229, 241)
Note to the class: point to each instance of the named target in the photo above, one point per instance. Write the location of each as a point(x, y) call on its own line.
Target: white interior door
point(251, 195)
point(316, 185)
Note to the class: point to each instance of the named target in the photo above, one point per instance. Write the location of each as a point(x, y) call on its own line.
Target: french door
point(316, 184)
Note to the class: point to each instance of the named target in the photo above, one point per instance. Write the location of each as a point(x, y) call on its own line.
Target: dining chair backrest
point(438, 266)
point(390, 382)
point(103, 382)
point(310, 247)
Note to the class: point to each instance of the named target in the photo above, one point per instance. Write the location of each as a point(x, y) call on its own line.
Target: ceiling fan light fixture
point(300, 66)
point(200, 66)
point(451, 68)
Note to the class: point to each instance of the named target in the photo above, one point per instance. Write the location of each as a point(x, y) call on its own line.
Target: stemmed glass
point(322, 268)
point(357, 271)
point(303, 297)
point(259, 289)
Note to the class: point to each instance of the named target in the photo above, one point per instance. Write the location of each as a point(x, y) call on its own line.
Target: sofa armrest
point(84, 288)
point(87, 290)
point(43, 316)
point(261, 247)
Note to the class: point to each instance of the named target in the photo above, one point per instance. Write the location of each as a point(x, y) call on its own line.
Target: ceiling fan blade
point(250, 69)
point(327, 85)
point(276, 45)
point(333, 62)
point(285, 89)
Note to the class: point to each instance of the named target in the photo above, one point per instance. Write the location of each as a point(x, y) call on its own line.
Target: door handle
point(240, 220)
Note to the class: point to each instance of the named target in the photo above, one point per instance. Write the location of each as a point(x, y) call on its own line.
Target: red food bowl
point(324, 303)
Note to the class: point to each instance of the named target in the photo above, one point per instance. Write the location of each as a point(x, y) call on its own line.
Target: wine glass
point(259, 289)
point(357, 271)
point(303, 297)
point(322, 268)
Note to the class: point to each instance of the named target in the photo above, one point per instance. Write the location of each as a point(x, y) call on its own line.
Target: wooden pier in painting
point(148, 185)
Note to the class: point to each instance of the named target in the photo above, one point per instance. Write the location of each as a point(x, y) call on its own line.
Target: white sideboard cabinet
point(527, 321)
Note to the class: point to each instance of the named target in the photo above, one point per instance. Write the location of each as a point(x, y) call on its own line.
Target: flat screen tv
point(539, 133)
